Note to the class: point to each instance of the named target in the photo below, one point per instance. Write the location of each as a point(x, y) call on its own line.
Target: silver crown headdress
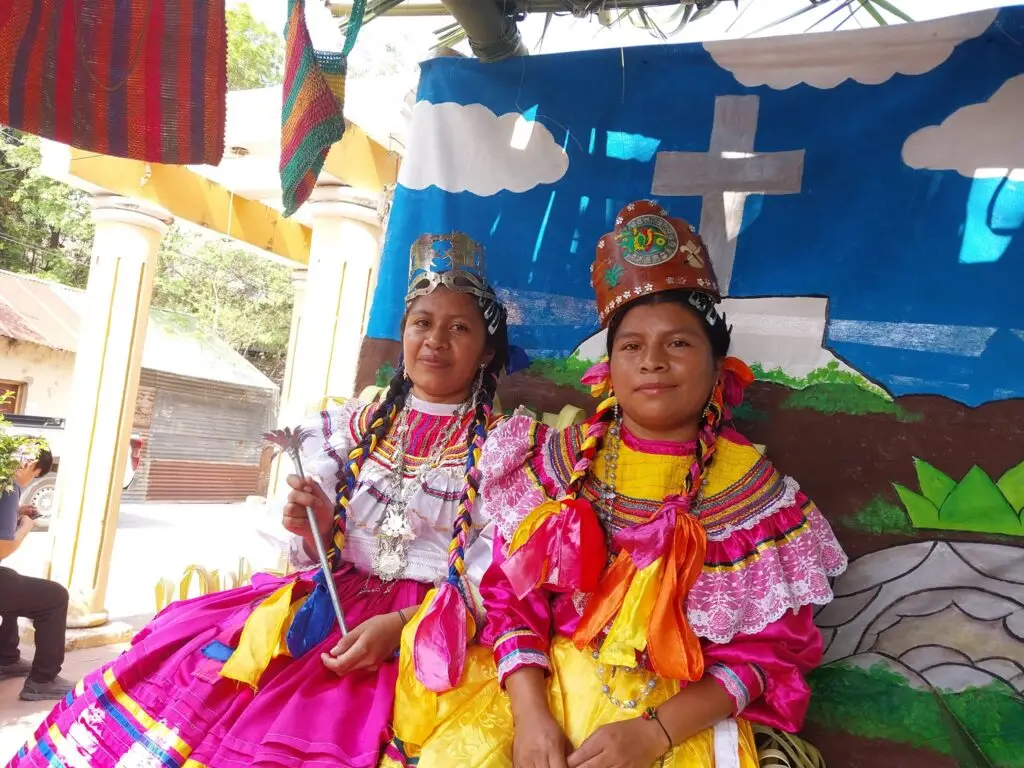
point(456, 262)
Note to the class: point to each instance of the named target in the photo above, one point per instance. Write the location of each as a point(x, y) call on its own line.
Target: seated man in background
point(44, 602)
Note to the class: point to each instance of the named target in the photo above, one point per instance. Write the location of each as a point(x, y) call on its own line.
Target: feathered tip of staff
point(289, 441)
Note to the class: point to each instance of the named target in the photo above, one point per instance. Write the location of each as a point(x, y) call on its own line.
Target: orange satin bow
point(672, 646)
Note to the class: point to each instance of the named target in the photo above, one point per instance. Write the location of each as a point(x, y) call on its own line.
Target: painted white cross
point(725, 175)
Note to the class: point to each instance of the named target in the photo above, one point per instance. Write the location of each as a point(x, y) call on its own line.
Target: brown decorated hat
point(649, 252)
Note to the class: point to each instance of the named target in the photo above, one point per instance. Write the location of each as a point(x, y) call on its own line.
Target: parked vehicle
point(41, 492)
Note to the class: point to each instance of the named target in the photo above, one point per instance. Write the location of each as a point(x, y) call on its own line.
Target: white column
point(343, 260)
point(104, 390)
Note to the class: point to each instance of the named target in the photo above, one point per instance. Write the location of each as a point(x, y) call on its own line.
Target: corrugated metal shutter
point(205, 440)
point(200, 481)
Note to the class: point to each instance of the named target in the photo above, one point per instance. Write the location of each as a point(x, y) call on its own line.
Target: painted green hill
point(565, 372)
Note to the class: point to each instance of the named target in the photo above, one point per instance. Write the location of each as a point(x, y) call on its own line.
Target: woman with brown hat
point(654, 576)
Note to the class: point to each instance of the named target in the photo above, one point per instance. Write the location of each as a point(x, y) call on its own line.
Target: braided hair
point(383, 417)
point(498, 343)
point(594, 430)
point(719, 335)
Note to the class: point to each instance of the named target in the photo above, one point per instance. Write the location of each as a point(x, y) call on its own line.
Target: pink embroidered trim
point(785, 577)
point(507, 491)
point(659, 447)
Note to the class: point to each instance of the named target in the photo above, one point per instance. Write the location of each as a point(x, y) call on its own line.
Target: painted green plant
point(975, 503)
point(832, 389)
point(879, 516)
point(846, 698)
point(827, 374)
point(748, 413)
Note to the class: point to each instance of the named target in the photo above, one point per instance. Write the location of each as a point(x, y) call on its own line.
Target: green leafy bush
point(14, 449)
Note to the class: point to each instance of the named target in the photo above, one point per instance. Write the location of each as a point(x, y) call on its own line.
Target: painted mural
point(862, 196)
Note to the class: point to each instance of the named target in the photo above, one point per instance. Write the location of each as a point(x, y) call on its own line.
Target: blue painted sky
point(886, 243)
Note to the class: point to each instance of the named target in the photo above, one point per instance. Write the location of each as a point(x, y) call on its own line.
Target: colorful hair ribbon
point(599, 378)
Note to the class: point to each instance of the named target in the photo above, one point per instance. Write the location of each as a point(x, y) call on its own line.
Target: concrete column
point(343, 261)
point(104, 390)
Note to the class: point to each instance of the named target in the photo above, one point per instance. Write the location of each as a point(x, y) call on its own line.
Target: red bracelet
point(652, 714)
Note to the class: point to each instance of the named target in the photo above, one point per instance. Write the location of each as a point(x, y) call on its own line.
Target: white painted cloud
point(462, 148)
point(869, 56)
point(983, 140)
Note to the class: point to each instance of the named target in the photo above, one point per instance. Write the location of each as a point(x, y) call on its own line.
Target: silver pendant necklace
point(394, 531)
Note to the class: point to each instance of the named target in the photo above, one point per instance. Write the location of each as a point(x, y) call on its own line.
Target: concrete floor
point(18, 719)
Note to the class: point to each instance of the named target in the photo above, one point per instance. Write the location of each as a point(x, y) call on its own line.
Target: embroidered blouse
point(770, 554)
point(432, 506)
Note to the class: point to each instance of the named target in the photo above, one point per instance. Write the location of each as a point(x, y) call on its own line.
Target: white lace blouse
point(432, 506)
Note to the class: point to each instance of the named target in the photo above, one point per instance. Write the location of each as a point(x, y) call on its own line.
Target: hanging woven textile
point(312, 110)
point(145, 80)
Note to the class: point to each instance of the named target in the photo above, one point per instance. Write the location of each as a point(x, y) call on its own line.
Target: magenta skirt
point(163, 704)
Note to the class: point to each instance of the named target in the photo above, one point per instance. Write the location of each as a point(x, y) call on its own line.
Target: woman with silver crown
point(261, 675)
point(654, 577)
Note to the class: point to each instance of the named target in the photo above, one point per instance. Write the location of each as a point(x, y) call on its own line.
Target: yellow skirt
point(471, 726)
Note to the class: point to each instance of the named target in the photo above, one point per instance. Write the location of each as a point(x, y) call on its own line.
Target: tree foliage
point(243, 297)
point(46, 230)
point(15, 450)
point(255, 51)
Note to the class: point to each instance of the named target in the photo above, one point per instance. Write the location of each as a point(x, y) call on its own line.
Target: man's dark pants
point(46, 604)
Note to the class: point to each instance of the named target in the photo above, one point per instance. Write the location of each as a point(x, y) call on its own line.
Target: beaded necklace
point(606, 513)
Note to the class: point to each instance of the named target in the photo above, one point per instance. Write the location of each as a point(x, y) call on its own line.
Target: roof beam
point(185, 195)
point(361, 162)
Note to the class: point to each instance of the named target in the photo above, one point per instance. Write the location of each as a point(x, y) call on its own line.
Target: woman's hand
point(367, 646)
point(539, 741)
point(636, 743)
point(307, 493)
